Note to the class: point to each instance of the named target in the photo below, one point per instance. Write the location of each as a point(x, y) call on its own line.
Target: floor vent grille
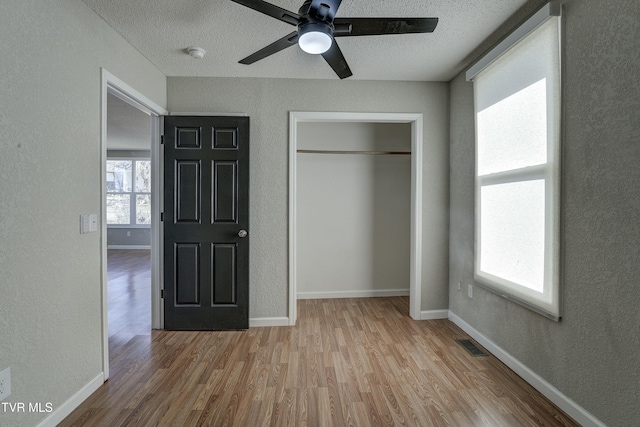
point(472, 348)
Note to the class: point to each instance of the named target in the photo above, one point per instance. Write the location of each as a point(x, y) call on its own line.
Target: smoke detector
point(196, 52)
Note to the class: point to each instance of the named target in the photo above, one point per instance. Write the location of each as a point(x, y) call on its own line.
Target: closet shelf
point(375, 153)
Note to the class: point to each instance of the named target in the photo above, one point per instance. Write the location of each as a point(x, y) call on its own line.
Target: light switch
point(5, 384)
point(84, 223)
point(88, 223)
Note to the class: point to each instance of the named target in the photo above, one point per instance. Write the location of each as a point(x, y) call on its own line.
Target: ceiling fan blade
point(271, 10)
point(346, 27)
point(324, 9)
point(275, 47)
point(335, 59)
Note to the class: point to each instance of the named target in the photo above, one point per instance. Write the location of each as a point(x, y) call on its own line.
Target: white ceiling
point(127, 127)
point(162, 30)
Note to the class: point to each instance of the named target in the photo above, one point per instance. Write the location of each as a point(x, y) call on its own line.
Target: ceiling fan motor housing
point(315, 26)
point(315, 21)
point(315, 29)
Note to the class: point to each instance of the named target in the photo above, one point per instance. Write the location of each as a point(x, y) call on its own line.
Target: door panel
point(224, 280)
point(206, 204)
point(225, 203)
point(188, 137)
point(225, 138)
point(187, 280)
point(187, 186)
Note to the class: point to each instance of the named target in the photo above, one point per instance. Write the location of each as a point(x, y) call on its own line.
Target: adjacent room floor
point(129, 291)
point(348, 362)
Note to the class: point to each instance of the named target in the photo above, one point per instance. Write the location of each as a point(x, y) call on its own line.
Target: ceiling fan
point(318, 27)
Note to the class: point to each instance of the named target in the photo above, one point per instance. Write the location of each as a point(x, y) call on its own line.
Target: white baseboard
point(434, 314)
point(571, 408)
point(354, 294)
point(61, 412)
point(128, 247)
point(261, 322)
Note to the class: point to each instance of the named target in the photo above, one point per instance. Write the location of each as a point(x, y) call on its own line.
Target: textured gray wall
point(593, 354)
point(137, 236)
point(50, 295)
point(268, 102)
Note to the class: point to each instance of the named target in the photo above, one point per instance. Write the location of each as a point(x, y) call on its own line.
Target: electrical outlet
point(5, 384)
point(470, 290)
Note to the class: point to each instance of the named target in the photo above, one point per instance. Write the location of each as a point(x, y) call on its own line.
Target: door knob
point(242, 233)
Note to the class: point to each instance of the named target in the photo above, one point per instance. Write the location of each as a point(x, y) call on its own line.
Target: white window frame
point(546, 303)
point(132, 193)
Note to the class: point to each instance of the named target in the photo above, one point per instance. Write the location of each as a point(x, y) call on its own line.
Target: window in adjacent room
point(517, 111)
point(129, 192)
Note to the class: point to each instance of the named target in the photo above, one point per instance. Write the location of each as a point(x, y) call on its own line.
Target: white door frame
point(415, 278)
point(110, 84)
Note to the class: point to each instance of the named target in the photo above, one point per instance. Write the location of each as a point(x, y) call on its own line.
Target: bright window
point(517, 107)
point(129, 192)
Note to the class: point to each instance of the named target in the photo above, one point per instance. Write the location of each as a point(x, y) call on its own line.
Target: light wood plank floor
point(129, 292)
point(348, 362)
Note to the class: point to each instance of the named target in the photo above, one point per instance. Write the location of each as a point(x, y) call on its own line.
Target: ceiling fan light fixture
point(314, 38)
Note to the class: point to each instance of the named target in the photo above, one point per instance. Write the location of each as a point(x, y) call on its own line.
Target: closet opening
point(355, 208)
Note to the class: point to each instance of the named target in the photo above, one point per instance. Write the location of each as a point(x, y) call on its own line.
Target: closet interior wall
point(353, 209)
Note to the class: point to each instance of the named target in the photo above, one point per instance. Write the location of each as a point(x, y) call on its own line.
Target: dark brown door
point(206, 223)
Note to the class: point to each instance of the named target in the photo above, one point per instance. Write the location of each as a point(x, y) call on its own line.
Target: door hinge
point(161, 293)
point(161, 216)
point(161, 139)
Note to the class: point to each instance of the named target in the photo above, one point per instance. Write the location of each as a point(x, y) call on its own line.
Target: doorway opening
point(130, 198)
point(296, 121)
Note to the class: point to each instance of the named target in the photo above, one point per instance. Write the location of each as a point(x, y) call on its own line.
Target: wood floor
point(129, 292)
point(348, 362)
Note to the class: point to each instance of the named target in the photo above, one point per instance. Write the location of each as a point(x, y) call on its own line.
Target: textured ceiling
point(162, 30)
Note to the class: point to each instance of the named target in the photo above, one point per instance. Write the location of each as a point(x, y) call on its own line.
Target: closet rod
point(375, 153)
